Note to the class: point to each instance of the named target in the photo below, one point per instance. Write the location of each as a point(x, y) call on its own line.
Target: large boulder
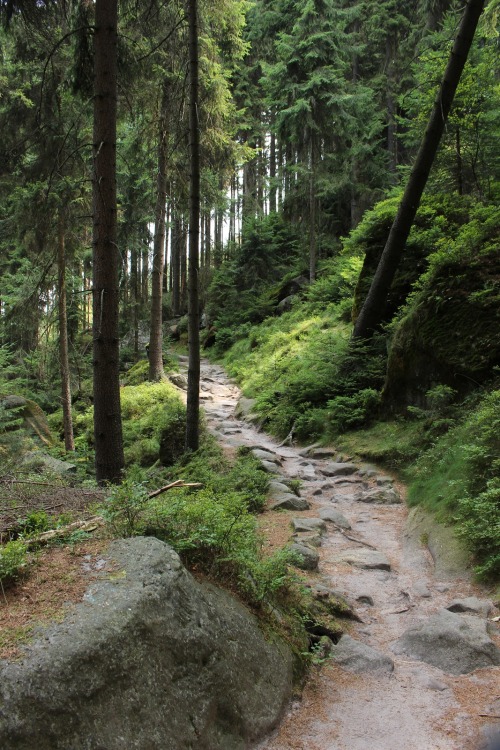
point(150, 659)
point(455, 643)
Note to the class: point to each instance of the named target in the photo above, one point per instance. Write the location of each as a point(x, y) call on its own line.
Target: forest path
point(417, 706)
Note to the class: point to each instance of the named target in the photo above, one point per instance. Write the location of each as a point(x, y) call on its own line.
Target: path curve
point(417, 706)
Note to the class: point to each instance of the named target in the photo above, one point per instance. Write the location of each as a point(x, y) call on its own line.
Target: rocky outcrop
point(151, 659)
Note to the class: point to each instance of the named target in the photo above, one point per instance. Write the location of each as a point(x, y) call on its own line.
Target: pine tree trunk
point(69, 442)
point(183, 262)
point(156, 330)
point(134, 291)
point(109, 460)
point(193, 389)
point(272, 175)
point(175, 261)
point(373, 307)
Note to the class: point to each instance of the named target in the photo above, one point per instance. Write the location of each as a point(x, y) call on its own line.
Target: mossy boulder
point(438, 218)
point(450, 334)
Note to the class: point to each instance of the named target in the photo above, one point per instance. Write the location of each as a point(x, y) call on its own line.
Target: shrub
point(13, 557)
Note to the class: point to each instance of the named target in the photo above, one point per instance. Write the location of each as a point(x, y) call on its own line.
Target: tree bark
point(156, 330)
point(69, 442)
point(193, 388)
point(175, 262)
point(109, 460)
point(373, 307)
point(272, 174)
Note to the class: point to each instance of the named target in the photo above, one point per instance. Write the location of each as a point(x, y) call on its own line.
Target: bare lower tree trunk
point(69, 442)
point(373, 308)
point(175, 250)
point(193, 389)
point(109, 460)
point(272, 175)
point(134, 291)
point(156, 330)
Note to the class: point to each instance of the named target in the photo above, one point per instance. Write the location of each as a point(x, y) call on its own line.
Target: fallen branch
point(353, 538)
point(97, 521)
point(173, 485)
point(47, 536)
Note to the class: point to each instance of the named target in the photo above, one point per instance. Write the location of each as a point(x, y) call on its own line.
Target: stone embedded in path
point(309, 538)
point(244, 406)
point(368, 559)
point(471, 605)
point(307, 472)
point(365, 599)
point(358, 657)
point(333, 469)
point(381, 496)
point(306, 558)
point(289, 502)
point(457, 644)
point(384, 481)
point(270, 467)
point(420, 589)
point(318, 453)
point(264, 455)
point(277, 487)
point(330, 514)
point(309, 524)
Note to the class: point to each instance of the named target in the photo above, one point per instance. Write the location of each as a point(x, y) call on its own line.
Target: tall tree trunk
point(69, 442)
point(156, 330)
point(175, 260)
point(272, 174)
point(208, 240)
point(391, 107)
point(193, 388)
point(134, 290)
point(313, 252)
point(373, 308)
point(109, 460)
point(183, 261)
point(145, 271)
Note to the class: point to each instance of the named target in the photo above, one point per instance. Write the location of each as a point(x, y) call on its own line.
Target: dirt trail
point(418, 706)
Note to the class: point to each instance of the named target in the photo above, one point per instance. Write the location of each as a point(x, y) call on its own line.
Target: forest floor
point(417, 706)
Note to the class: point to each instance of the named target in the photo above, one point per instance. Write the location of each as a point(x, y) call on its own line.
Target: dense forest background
point(310, 117)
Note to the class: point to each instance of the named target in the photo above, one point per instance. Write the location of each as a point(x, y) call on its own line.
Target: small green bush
point(13, 558)
point(124, 507)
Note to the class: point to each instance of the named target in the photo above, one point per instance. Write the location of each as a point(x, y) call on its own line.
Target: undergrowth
point(212, 527)
point(458, 478)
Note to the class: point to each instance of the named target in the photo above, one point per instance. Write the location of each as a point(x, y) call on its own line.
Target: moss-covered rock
point(450, 333)
point(438, 218)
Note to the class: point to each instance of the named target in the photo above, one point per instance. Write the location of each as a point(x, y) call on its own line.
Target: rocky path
point(412, 674)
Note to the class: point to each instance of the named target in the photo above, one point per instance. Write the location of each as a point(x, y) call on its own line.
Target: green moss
point(148, 410)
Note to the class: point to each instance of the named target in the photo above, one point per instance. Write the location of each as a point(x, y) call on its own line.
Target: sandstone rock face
point(150, 660)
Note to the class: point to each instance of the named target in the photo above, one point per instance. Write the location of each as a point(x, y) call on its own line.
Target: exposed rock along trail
point(377, 692)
